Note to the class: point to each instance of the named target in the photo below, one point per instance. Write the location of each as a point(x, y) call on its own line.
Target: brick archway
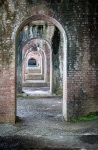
point(64, 45)
point(26, 50)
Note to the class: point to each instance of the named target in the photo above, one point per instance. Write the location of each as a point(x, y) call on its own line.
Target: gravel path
point(40, 124)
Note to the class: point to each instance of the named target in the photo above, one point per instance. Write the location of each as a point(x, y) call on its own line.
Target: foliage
point(91, 116)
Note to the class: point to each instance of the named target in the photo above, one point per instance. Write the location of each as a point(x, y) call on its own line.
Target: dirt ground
point(40, 125)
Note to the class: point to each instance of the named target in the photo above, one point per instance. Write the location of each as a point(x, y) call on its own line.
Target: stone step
point(31, 83)
point(33, 71)
point(34, 77)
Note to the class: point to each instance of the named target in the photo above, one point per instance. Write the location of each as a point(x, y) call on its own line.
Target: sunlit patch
point(59, 102)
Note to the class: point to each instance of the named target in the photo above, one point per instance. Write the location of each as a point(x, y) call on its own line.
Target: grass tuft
point(91, 116)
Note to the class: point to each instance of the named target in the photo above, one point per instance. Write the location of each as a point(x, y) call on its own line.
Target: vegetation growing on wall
point(90, 116)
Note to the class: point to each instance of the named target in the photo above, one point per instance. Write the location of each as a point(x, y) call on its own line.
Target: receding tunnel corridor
point(40, 48)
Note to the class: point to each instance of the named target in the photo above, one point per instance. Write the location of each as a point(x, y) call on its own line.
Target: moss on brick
point(90, 116)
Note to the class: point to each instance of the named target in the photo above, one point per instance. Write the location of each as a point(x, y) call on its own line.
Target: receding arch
point(62, 31)
point(25, 52)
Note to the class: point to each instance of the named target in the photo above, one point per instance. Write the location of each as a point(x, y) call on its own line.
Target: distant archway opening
point(32, 62)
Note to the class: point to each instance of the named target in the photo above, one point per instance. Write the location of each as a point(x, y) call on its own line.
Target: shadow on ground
point(22, 143)
point(90, 139)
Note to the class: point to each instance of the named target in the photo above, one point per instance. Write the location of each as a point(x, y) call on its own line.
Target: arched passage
point(32, 62)
point(42, 78)
point(27, 49)
point(64, 51)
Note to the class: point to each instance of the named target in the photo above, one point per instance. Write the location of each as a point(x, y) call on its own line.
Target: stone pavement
point(40, 125)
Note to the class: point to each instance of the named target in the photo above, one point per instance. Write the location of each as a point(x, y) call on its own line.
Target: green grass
point(91, 116)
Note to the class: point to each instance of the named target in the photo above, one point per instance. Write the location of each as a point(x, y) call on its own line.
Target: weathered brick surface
point(7, 96)
point(80, 22)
